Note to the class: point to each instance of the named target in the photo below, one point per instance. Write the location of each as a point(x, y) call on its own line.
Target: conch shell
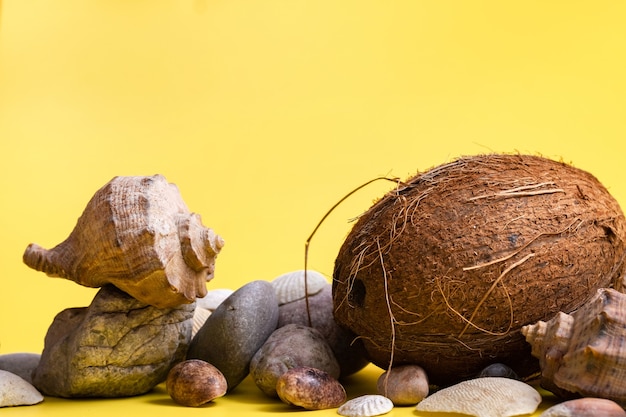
point(584, 353)
point(137, 234)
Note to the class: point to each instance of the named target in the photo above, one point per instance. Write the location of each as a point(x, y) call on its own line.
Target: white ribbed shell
point(213, 298)
point(291, 285)
point(366, 406)
point(484, 397)
point(199, 317)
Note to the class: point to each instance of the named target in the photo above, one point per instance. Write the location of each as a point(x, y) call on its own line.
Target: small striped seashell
point(366, 406)
point(484, 397)
point(213, 298)
point(291, 286)
point(200, 315)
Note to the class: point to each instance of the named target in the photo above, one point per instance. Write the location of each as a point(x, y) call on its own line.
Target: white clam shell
point(15, 391)
point(213, 298)
point(291, 285)
point(366, 406)
point(484, 397)
point(199, 317)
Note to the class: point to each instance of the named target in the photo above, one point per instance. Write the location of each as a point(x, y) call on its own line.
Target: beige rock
point(15, 391)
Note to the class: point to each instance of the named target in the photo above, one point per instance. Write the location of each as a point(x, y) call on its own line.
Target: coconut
point(444, 270)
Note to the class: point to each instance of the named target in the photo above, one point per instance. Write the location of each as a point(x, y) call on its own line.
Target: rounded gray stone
point(236, 330)
point(21, 364)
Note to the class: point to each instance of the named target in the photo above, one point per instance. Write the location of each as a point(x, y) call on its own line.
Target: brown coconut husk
point(444, 270)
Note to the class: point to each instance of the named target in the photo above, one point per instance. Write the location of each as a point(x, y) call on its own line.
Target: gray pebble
point(291, 346)
point(348, 349)
point(21, 364)
point(498, 370)
point(236, 330)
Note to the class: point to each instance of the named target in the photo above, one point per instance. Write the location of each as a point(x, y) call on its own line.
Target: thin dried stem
point(319, 224)
point(391, 317)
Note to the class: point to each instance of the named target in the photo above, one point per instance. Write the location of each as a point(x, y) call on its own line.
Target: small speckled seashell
point(213, 298)
point(585, 407)
point(15, 391)
point(366, 406)
point(484, 397)
point(199, 317)
point(291, 285)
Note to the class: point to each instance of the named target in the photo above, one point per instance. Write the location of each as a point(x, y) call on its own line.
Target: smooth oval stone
point(498, 369)
point(238, 327)
point(21, 364)
point(290, 346)
point(348, 349)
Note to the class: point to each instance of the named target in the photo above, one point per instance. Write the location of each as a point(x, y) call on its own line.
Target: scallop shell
point(584, 352)
point(366, 406)
point(200, 315)
point(484, 397)
point(137, 234)
point(213, 298)
point(291, 286)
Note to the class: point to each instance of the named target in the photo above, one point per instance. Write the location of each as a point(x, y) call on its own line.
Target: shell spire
point(583, 353)
point(137, 234)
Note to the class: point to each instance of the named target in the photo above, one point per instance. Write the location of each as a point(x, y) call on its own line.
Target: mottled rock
point(21, 364)
point(310, 388)
point(116, 347)
point(195, 382)
point(237, 328)
point(14, 391)
point(348, 350)
point(291, 346)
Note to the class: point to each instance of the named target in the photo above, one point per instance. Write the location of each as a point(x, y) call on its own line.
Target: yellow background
point(266, 113)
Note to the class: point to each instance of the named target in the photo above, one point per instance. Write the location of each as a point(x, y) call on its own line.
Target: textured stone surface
point(21, 364)
point(234, 332)
point(116, 347)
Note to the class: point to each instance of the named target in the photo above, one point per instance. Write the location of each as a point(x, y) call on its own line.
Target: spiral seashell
point(366, 406)
point(583, 353)
point(291, 286)
point(137, 234)
point(484, 397)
